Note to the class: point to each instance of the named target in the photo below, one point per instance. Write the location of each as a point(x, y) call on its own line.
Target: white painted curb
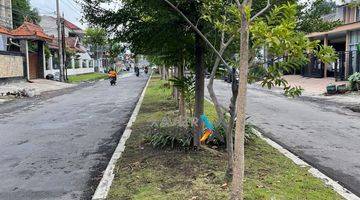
point(103, 188)
point(315, 172)
point(345, 193)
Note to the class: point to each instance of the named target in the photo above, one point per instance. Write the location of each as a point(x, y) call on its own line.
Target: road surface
point(57, 148)
point(322, 134)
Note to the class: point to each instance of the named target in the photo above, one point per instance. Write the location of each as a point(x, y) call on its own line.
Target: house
point(5, 22)
point(4, 35)
point(21, 50)
point(345, 39)
point(78, 59)
point(6, 14)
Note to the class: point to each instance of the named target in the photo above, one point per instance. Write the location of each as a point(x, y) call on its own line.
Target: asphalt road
point(57, 147)
point(322, 134)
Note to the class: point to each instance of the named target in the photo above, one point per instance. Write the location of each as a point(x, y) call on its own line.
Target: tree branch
point(238, 4)
point(198, 32)
point(261, 11)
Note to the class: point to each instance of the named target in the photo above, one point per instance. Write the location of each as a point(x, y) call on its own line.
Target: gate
point(34, 69)
point(314, 68)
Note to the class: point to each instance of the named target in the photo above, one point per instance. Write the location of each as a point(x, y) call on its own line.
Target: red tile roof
point(29, 30)
point(71, 25)
point(71, 44)
point(4, 31)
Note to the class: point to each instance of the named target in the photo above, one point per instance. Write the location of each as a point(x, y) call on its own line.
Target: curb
point(342, 191)
point(103, 187)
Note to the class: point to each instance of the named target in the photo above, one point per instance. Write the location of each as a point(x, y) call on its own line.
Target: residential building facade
point(6, 14)
point(5, 22)
point(80, 61)
point(345, 39)
point(22, 49)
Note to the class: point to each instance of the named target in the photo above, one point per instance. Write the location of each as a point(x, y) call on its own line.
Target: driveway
point(322, 134)
point(57, 148)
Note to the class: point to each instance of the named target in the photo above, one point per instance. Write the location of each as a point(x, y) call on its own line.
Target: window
point(3, 41)
point(353, 48)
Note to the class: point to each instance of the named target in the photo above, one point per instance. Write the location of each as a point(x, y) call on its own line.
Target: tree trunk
point(210, 87)
point(163, 73)
point(175, 90)
point(229, 126)
point(160, 71)
point(229, 130)
point(239, 166)
point(182, 108)
point(199, 85)
point(166, 73)
point(169, 72)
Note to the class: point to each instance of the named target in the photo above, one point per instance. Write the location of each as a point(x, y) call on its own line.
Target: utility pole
point(64, 46)
point(61, 60)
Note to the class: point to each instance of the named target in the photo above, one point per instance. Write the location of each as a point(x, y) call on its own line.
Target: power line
point(71, 7)
point(74, 3)
point(22, 12)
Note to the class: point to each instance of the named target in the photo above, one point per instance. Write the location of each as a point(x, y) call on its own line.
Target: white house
point(80, 62)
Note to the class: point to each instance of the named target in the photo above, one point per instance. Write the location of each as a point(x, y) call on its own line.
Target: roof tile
point(31, 31)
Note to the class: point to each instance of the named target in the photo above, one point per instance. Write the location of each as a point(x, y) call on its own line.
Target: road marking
point(103, 188)
point(342, 191)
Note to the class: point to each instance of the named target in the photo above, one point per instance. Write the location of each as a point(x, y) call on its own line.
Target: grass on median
point(147, 173)
point(86, 77)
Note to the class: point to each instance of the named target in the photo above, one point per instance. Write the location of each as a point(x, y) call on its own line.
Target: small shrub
point(170, 134)
point(354, 80)
point(166, 85)
point(249, 134)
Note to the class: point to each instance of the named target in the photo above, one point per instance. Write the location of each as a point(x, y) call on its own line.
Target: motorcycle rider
point(137, 71)
point(112, 76)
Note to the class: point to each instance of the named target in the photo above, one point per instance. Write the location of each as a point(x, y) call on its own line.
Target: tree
point(154, 30)
point(276, 34)
point(96, 38)
point(311, 13)
point(287, 49)
point(115, 49)
point(22, 10)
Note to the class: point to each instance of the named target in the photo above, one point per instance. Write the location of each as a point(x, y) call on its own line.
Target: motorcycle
point(112, 81)
point(137, 71)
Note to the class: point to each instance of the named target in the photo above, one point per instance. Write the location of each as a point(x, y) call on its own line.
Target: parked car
point(228, 77)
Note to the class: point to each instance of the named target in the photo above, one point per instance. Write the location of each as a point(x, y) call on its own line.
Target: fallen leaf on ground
point(224, 186)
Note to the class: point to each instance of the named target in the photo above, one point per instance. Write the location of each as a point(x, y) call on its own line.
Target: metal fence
point(315, 68)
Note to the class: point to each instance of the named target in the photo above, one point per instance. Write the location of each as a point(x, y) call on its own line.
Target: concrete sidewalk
point(315, 88)
point(312, 86)
point(36, 87)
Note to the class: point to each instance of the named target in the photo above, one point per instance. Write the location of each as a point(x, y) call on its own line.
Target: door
point(34, 69)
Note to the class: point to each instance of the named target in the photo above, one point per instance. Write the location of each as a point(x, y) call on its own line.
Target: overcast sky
point(70, 8)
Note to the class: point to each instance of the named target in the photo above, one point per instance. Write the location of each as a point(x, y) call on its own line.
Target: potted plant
point(331, 89)
point(354, 80)
point(341, 89)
